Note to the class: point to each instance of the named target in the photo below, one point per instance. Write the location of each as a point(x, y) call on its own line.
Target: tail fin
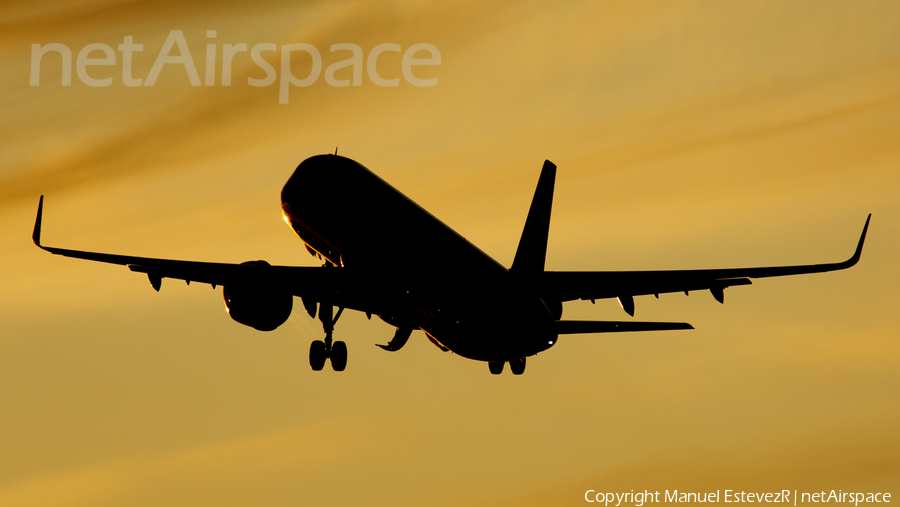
point(532, 251)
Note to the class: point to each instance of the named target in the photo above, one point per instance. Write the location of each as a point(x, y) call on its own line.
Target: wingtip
point(862, 239)
point(36, 235)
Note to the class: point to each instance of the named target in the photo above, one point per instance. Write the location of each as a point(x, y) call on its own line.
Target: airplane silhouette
point(386, 256)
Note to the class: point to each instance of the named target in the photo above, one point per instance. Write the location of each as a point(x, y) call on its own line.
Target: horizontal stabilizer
point(590, 326)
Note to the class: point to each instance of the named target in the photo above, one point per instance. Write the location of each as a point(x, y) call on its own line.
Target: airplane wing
point(313, 282)
point(571, 285)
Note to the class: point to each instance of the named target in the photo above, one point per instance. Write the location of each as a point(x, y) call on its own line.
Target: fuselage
point(420, 273)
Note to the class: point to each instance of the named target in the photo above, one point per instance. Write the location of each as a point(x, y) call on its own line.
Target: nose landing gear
point(320, 350)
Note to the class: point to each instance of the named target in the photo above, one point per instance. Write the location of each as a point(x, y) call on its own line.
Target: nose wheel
point(317, 355)
point(339, 356)
point(320, 351)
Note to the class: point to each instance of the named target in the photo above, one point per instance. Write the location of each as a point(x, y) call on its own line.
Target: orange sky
point(687, 135)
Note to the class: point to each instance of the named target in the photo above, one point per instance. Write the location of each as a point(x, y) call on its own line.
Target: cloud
point(122, 481)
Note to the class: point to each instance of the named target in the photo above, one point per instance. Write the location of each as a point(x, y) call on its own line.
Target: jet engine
point(261, 305)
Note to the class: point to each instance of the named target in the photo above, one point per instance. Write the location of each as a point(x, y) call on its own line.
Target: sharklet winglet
point(36, 235)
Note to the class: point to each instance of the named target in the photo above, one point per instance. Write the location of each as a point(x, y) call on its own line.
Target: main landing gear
point(517, 366)
point(320, 350)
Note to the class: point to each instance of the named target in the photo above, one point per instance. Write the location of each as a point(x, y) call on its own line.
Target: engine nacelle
point(260, 305)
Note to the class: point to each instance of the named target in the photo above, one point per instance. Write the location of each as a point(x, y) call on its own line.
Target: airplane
point(386, 256)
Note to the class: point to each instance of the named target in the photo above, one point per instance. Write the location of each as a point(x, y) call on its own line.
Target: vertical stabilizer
point(532, 249)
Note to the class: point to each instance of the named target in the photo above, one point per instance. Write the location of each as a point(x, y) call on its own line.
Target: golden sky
point(687, 135)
